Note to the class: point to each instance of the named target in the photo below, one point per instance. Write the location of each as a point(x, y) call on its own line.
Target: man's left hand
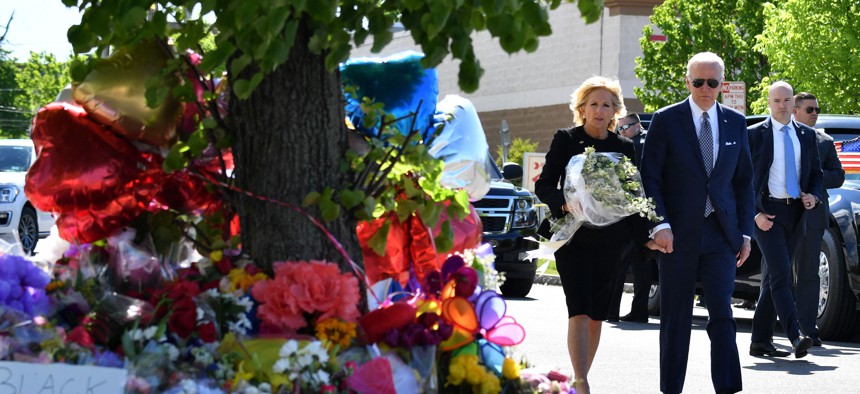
point(809, 200)
point(744, 253)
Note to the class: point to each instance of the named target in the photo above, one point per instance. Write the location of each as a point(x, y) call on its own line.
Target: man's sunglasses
point(627, 126)
point(809, 110)
point(712, 83)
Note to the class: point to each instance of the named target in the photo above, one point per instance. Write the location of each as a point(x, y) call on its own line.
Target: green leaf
point(81, 38)
point(431, 213)
point(380, 40)
point(322, 11)
point(311, 199)
point(128, 345)
point(445, 240)
point(330, 210)
point(133, 18)
point(239, 64)
point(469, 75)
point(175, 160)
point(379, 240)
point(351, 198)
point(216, 58)
point(198, 142)
point(243, 87)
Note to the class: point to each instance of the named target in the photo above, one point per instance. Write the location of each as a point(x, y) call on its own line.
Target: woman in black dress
point(588, 264)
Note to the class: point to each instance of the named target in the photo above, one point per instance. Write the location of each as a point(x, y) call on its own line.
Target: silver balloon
point(462, 145)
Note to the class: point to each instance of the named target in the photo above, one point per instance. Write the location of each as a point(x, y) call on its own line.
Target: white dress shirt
point(776, 175)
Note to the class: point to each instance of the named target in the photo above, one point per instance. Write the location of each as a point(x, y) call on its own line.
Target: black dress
point(589, 264)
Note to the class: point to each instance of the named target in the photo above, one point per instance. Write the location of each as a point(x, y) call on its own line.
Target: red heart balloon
point(97, 181)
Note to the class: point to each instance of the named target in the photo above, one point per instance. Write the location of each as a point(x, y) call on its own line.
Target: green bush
point(518, 147)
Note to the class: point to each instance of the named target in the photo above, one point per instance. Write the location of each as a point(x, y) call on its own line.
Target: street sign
point(735, 95)
point(533, 164)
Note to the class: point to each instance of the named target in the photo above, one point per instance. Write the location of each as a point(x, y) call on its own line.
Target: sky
point(37, 25)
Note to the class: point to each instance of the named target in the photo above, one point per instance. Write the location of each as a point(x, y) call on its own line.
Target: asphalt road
point(627, 359)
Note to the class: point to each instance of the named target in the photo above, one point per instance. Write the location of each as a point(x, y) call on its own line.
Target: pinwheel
point(486, 317)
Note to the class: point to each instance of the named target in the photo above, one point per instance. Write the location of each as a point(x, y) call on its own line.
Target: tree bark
point(289, 139)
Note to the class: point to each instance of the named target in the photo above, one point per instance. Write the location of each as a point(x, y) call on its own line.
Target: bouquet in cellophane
point(600, 188)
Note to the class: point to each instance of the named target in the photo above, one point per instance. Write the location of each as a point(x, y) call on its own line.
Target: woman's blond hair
point(577, 99)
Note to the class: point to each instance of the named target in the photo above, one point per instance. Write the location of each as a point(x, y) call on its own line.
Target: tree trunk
point(289, 139)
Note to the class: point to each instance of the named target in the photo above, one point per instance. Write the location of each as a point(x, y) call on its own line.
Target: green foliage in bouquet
point(394, 173)
point(603, 177)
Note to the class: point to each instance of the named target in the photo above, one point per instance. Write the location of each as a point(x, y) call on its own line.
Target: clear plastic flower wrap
point(600, 188)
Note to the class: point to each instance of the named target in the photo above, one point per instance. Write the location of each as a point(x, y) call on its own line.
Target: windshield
point(492, 169)
point(14, 158)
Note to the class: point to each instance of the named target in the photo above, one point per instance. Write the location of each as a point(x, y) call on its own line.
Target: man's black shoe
point(634, 319)
point(766, 349)
point(800, 345)
point(612, 319)
point(816, 340)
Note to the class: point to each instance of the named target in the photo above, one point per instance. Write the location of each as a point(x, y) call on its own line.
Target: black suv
point(839, 271)
point(509, 215)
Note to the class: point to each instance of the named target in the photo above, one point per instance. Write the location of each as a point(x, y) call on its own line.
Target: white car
point(19, 220)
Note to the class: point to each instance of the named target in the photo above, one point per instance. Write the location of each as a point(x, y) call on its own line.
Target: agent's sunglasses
point(809, 110)
point(625, 127)
point(712, 83)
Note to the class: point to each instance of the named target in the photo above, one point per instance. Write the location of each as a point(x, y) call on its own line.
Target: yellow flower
point(241, 375)
point(510, 369)
point(55, 285)
point(216, 255)
point(335, 332)
point(490, 385)
point(239, 279)
point(456, 373)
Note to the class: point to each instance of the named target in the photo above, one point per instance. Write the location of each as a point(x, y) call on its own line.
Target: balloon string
point(356, 270)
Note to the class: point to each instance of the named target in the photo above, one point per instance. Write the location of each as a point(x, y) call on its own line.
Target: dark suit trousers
point(713, 263)
point(641, 284)
point(806, 267)
point(777, 247)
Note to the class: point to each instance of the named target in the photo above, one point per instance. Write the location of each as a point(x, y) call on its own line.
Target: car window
point(14, 158)
point(492, 169)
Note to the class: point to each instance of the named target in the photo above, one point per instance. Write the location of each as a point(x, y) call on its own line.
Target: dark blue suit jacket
point(673, 174)
point(761, 146)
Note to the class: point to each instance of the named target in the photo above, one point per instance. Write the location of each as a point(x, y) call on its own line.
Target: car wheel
point(654, 300)
point(837, 316)
point(28, 230)
point(516, 287)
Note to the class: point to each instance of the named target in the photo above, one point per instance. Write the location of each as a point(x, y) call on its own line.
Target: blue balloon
point(401, 83)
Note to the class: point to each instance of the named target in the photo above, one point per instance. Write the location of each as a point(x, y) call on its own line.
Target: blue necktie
point(791, 184)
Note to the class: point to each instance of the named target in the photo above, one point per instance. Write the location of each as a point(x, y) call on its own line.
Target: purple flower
point(109, 359)
point(22, 285)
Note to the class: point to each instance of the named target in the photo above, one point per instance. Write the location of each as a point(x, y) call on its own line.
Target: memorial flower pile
point(144, 283)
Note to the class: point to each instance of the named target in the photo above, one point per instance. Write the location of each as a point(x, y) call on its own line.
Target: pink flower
point(306, 289)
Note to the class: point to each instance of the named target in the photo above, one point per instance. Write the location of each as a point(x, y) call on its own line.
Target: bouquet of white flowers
point(600, 189)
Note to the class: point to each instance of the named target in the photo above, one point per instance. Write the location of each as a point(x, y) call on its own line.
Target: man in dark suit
point(630, 126)
point(697, 168)
point(787, 182)
point(806, 298)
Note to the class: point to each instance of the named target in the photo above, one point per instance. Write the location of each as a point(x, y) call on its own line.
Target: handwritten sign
point(533, 165)
point(735, 95)
point(27, 378)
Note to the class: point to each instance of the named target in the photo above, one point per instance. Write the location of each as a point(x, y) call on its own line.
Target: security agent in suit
point(696, 167)
point(787, 182)
point(637, 258)
point(806, 111)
